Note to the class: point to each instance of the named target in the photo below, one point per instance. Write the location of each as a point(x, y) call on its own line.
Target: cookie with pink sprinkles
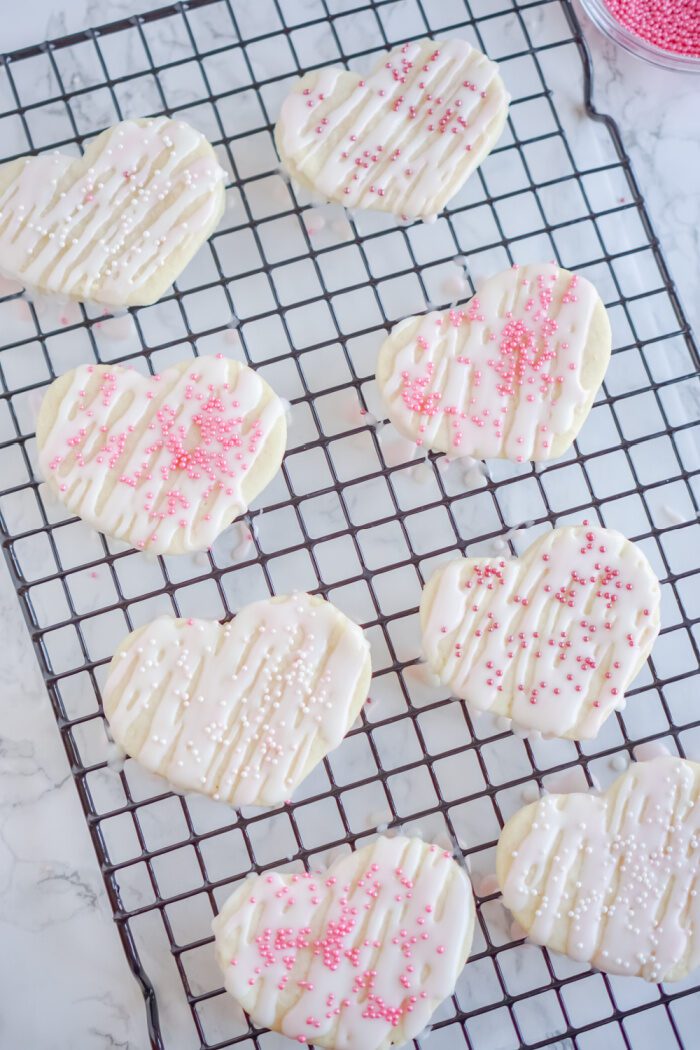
point(164, 462)
point(402, 139)
point(550, 640)
point(358, 957)
point(511, 374)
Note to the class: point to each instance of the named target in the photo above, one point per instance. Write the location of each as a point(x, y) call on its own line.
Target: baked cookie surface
point(403, 139)
point(355, 958)
point(240, 711)
point(511, 374)
point(162, 462)
point(612, 879)
point(551, 639)
point(117, 225)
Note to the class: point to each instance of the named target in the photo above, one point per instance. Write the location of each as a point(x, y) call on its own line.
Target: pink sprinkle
point(672, 25)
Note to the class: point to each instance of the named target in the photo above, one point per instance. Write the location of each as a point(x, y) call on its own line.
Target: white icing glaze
point(511, 374)
point(613, 880)
point(552, 639)
point(117, 225)
point(403, 139)
point(240, 711)
point(652, 749)
point(396, 449)
point(530, 792)
point(163, 462)
point(357, 958)
point(488, 885)
point(566, 782)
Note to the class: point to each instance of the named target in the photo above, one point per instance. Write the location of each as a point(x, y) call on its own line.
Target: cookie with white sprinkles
point(355, 958)
point(118, 225)
point(614, 879)
point(162, 462)
point(240, 711)
point(403, 139)
point(551, 639)
point(511, 374)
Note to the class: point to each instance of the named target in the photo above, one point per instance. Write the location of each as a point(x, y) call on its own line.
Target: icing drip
point(552, 639)
point(117, 225)
point(506, 375)
point(404, 138)
point(612, 880)
point(163, 462)
point(241, 711)
point(358, 957)
point(654, 748)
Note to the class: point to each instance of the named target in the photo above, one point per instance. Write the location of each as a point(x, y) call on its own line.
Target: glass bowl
point(603, 18)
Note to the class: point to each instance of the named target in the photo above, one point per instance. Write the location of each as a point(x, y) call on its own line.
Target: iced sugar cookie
point(118, 225)
point(162, 462)
point(612, 879)
point(244, 710)
point(511, 374)
point(403, 139)
point(355, 958)
point(551, 639)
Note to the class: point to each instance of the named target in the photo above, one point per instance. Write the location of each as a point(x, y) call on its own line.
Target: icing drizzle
point(506, 375)
point(551, 639)
point(358, 957)
point(112, 226)
point(403, 139)
point(163, 462)
point(240, 711)
point(612, 880)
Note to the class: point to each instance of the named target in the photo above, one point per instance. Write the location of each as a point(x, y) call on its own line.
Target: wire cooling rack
point(306, 295)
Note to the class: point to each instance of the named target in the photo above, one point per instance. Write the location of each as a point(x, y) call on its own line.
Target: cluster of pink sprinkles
point(214, 445)
point(597, 589)
point(281, 948)
point(671, 25)
point(527, 359)
point(440, 116)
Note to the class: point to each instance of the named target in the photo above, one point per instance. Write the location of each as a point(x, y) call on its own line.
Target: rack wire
point(306, 295)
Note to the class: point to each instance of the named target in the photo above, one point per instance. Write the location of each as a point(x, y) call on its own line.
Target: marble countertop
point(65, 980)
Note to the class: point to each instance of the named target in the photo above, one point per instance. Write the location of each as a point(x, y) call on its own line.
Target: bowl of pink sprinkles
point(664, 32)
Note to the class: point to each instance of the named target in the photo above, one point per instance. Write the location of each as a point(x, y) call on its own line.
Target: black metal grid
point(559, 185)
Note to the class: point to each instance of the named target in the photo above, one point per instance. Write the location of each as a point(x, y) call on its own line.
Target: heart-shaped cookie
point(357, 958)
point(612, 879)
point(551, 639)
point(117, 225)
point(244, 710)
point(403, 139)
point(511, 374)
point(162, 462)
